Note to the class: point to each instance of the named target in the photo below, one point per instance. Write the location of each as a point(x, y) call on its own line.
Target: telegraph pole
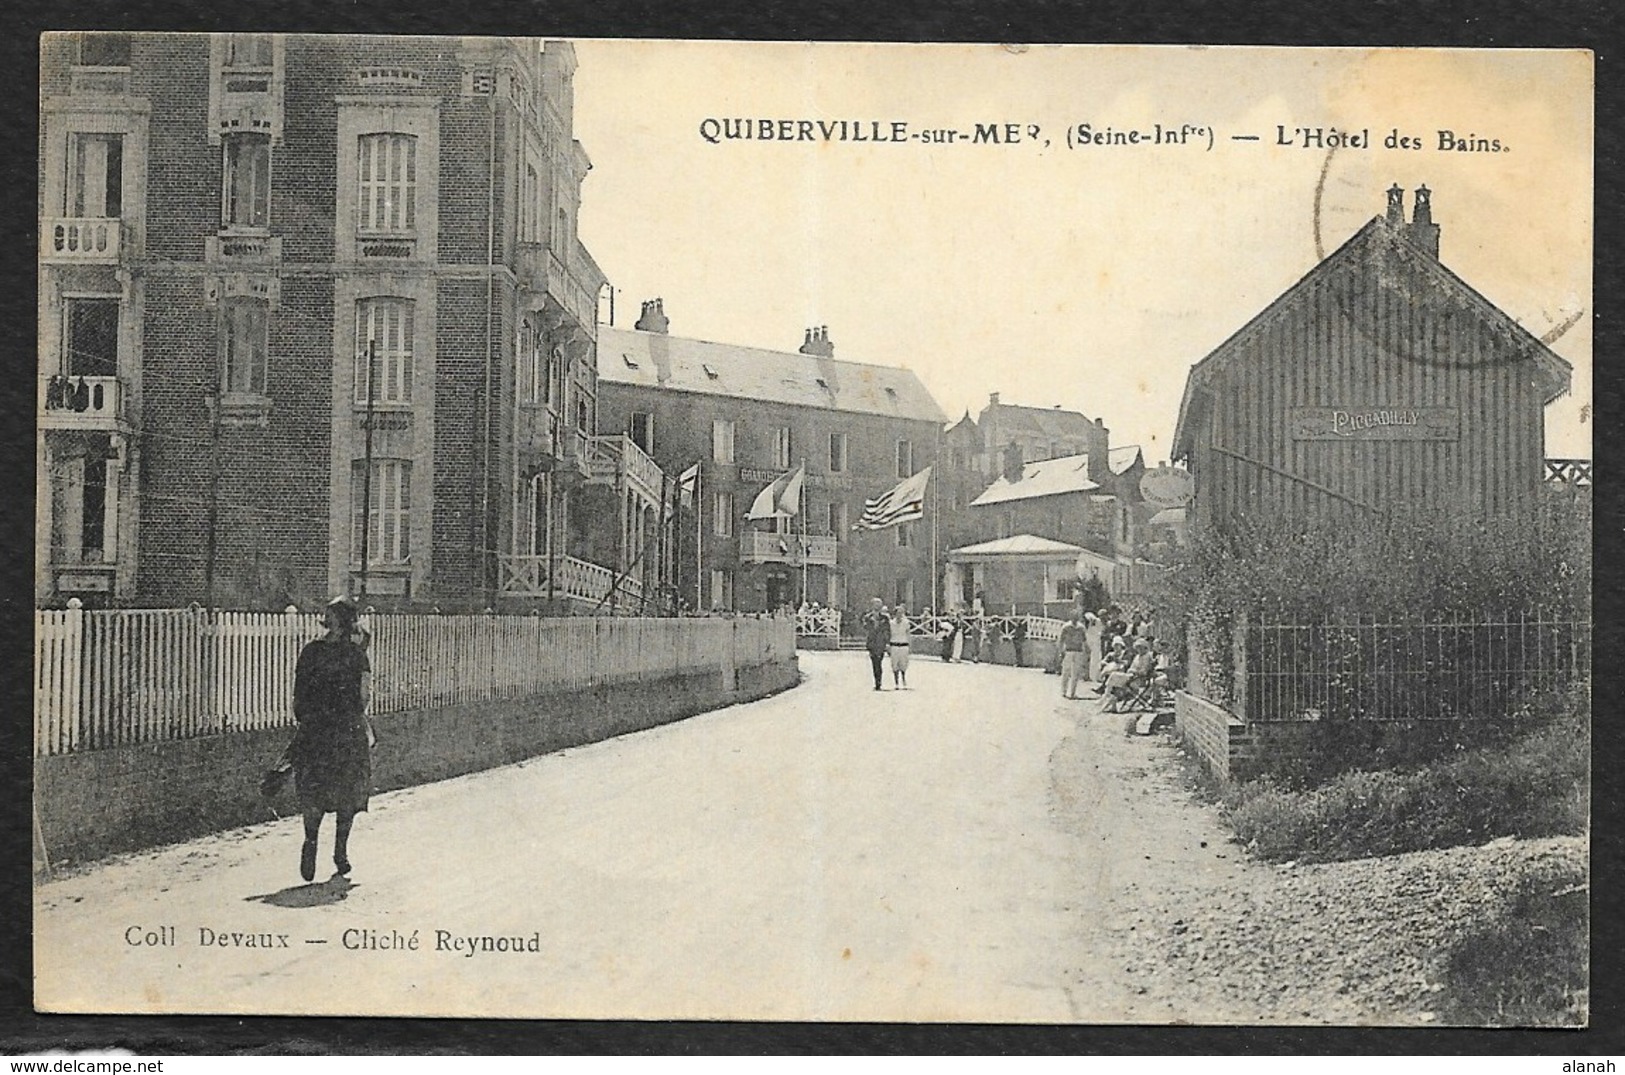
point(366, 473)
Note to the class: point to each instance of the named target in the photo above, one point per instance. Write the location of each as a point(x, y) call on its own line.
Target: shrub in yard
point(1536, 785)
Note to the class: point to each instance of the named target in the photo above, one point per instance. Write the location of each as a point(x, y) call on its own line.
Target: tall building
point(747, 416)
point(314, 316)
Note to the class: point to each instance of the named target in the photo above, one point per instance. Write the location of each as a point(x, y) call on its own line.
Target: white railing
point(124, 678)
point(91, 402)
point(614, 455)
point(1039, 628)
point(81, 239)
point(767, 547)
point(526, 576)
point(818, 623)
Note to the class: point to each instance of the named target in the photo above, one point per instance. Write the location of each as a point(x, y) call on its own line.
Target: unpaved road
point(974, 849)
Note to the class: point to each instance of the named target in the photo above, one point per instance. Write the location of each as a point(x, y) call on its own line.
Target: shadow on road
point(320, 894)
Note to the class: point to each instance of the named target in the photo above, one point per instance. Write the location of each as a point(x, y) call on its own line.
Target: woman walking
point(899, 647)
point(332, 754)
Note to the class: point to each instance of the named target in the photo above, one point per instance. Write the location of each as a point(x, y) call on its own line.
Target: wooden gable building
point(1379, 382)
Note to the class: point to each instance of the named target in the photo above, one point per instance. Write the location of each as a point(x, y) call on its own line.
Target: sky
point(1086, 276)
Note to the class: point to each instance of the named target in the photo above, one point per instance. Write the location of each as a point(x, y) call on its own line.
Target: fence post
point(1239, 692)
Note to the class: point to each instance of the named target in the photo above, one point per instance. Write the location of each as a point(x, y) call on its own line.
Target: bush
point(1535, 785)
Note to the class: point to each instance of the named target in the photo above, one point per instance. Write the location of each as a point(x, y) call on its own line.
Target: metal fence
point(1425, 669)
point(119, 678)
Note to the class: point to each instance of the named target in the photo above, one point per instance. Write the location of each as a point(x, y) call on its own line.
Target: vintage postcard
point(620, 529)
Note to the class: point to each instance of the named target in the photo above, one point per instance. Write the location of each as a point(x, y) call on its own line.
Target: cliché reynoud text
point(351, 940)
point(1087, 135)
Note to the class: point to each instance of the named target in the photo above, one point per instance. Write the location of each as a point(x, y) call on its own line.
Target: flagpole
point(936, 452)
point(699, 539)
point(801, 509)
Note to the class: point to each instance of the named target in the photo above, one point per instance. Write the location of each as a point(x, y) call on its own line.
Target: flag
point(903, 504)
point(688, 483)
point(781, 498)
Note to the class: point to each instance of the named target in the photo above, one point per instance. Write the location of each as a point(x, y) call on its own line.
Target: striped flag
point(781, 498)
point(903, 504)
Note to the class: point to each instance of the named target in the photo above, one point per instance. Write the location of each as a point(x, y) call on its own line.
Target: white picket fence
point(119, 678)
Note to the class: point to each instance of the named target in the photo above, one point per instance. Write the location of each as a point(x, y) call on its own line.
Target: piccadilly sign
point(1167, 487)
point(1375, 423)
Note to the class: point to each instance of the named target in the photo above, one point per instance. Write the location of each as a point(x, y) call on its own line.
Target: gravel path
point(1203, 934)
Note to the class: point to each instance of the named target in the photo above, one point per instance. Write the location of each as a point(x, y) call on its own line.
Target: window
point(722, 441)
point(722, 589)
point(92, 338)
point(905, 458)
point(389, 504)
point(904, 536)
point(959, 458)
point(641, 428)
point(248, 51)
point(245, 332)
point(388, 178)
point(722, 523)
point(782, 447)
point(837, 518)
point(836, 595)
point(95, 176)
point(584, 415)
point(385, 325)
point(905, 592)
point(246, 199)
point(531, 366)
point(104, 50)
point(529, 195)
point(837, 452)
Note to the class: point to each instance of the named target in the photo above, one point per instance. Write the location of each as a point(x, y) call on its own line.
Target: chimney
point(653, 318)
point(1424, 232)
point(815, 341)
point(992, 399)
point(1013, 465)
point(1396, 205)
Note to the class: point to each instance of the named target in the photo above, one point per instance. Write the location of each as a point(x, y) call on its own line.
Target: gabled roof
point(1040, 421)
point(656, 360)
point(965, 427)
point(1380, 234)
point(1047, 477)
point(1024, 545)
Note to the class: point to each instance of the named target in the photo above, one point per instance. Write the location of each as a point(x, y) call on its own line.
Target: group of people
point(1120, 656)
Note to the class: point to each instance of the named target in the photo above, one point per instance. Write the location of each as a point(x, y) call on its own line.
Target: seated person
point(1138, 672)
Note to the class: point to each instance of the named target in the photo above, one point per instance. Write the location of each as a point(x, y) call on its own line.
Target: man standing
point(876, 636)
point(1074, 652)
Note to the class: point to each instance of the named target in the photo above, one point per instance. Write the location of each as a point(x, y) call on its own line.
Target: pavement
point(943, 853)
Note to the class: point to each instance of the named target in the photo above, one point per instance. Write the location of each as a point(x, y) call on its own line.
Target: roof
point(656, 360)
point(1122, 460)
point(1047, 477)
point(1040, 421)
point(1380, 234)
point(1026, 545)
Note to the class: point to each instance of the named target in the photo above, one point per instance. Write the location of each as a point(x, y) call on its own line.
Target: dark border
point(1495, 23)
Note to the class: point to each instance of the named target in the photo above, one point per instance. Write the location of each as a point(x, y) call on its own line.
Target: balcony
point(86, 403)
point(540, 269)
point(79, 240)
point(616, 457)
point(578, 580)
point(766, 547)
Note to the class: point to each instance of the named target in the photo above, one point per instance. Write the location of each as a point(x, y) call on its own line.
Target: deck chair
point(1137, 694)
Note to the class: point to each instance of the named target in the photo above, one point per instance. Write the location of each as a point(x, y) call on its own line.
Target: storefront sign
point(1167, 487)
point(1375, 423)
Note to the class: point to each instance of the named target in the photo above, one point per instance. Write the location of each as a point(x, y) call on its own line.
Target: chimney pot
point(654, 318)
point(1423, 231)
point(1396, 205)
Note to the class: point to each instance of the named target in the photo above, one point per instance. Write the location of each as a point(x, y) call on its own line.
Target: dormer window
point(631, 363)
point(709, 370)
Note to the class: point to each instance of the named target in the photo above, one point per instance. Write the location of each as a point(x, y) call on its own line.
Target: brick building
point(256, 247)
point(747, 416)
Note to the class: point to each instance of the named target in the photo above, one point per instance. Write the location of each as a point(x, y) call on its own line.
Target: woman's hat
point(345, 603)
point(1141, 644)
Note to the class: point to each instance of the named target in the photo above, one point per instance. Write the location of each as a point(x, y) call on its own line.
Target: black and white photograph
point(838, 532)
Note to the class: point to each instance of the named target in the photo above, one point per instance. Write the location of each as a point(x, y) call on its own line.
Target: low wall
point(105, 801)
point(1208, 729)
